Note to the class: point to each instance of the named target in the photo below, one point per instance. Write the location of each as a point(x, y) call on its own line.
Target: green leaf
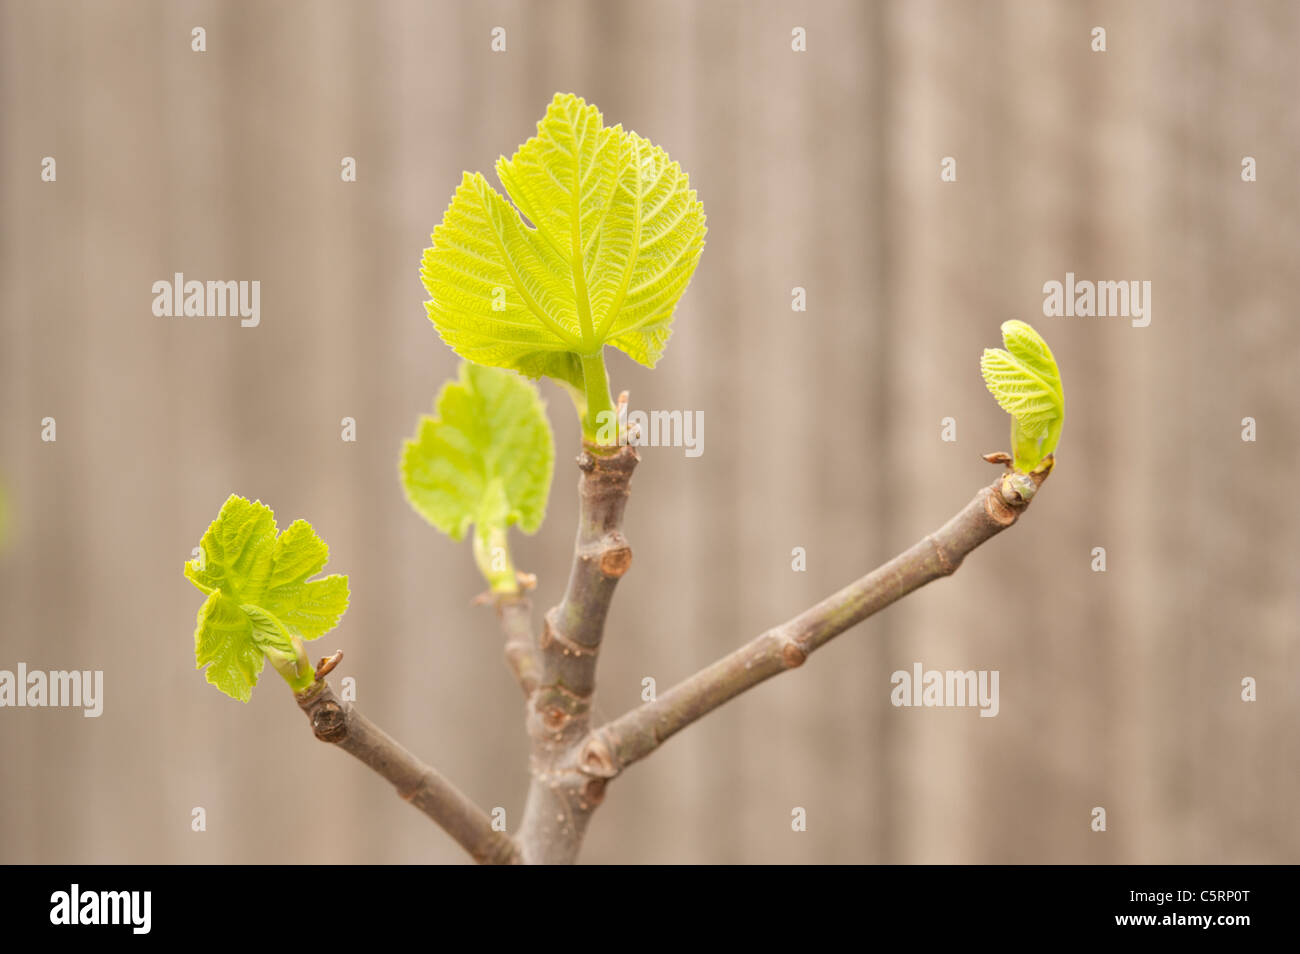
point(485, 459)
point(237, 551)
point(261, 603)
point(1026, 383)
point(282, 648)
point(223, 642)
point(310, 608)
point(612, 235)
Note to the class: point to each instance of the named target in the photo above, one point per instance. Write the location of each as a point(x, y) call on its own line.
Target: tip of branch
point(327, 664)
point(1018, 489)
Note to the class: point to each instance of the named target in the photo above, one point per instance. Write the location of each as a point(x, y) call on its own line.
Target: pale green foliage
point(612, 237)
point(260, 602)
point(485, 459)
point(1026, 383)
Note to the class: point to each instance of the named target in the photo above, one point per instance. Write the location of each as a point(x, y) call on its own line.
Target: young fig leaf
point(485, 459)
point(601, 241)
point(1026, 383)
point(261, 604)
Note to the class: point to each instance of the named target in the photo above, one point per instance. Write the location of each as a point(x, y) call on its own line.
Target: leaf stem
point(492, 554)
point(596, 383)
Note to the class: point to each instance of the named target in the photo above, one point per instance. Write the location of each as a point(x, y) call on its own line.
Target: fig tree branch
point(515, 614)
point(343, 725)
point(612, 748)
point(560, 798)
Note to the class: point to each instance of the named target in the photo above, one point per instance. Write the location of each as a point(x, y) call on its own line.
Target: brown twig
point(515, 613)
point(343, 725)
point(609, 750)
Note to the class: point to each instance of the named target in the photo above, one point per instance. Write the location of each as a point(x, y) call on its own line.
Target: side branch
point(515, 613)
point(343, 725)
point(609, 750)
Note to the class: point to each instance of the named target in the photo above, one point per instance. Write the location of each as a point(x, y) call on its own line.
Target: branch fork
point(572, 762)
point(610, 749)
